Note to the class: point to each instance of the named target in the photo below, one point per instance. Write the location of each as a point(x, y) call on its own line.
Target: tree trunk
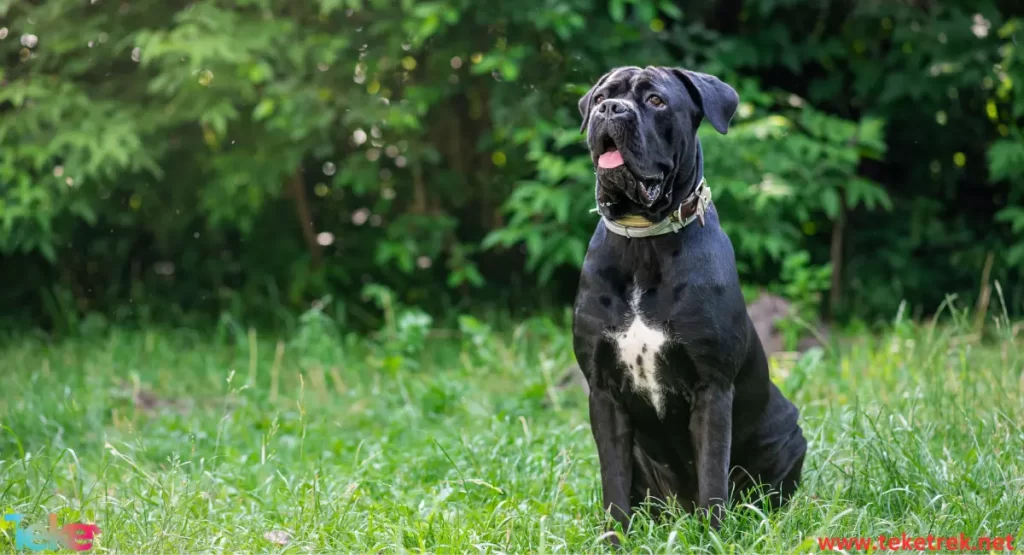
point(836, 256)
point(297, 188)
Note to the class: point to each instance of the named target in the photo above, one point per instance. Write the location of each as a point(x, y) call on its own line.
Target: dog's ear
point(584, 104)
point(718, 101)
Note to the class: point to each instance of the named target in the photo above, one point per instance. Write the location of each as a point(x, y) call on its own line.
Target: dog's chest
point(639, 346)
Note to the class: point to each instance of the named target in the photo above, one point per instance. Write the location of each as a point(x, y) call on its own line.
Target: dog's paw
point(712, 515)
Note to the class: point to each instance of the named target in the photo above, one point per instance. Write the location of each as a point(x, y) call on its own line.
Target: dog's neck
point(686, 183)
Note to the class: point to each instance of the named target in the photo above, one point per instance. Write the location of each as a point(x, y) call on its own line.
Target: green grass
point(190, 442)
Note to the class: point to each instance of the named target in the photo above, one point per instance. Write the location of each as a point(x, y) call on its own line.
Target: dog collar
point(691, 209)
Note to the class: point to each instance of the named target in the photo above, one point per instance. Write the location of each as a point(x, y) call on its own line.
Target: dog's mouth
point(610, 157)
point(619, 170)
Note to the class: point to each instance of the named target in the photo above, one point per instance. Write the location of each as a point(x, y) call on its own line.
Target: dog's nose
point(612, 107)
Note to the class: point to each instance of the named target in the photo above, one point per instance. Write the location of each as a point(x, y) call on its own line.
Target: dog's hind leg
point(783, 489)
point(769, 495)
point(656, 483)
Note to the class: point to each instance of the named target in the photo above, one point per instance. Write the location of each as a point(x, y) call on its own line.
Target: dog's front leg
point(711, 433)
point(614, 437)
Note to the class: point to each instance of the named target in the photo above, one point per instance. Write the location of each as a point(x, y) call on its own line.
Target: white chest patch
point(639, 347)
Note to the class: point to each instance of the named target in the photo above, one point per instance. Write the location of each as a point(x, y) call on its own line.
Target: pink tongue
point(610, 159)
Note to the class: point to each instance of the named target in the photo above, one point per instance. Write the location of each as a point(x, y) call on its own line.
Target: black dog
point(681, 406)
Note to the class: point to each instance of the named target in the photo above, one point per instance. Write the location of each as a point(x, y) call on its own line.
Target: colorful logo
point(75, 536)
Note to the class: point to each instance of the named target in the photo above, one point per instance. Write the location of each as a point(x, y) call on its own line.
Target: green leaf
point(830, 202)
point(264, 109)
point(670, 9)
point(617, 10)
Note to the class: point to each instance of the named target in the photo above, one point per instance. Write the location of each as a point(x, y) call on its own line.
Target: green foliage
point(549, 213)
point(252, 156)
point(796, 175)
point(405, 330)
point(1006, 155)
point(803, 285)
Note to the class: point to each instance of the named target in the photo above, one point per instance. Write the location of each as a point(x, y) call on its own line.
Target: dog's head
point(642, 132)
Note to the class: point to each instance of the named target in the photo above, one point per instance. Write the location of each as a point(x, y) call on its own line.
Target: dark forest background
point(164, 161)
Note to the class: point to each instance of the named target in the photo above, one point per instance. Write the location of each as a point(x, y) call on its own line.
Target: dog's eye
point(599, 99)
point(655, 100)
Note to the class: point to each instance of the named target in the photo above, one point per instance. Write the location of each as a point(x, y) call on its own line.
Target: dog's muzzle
point(614, 144)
